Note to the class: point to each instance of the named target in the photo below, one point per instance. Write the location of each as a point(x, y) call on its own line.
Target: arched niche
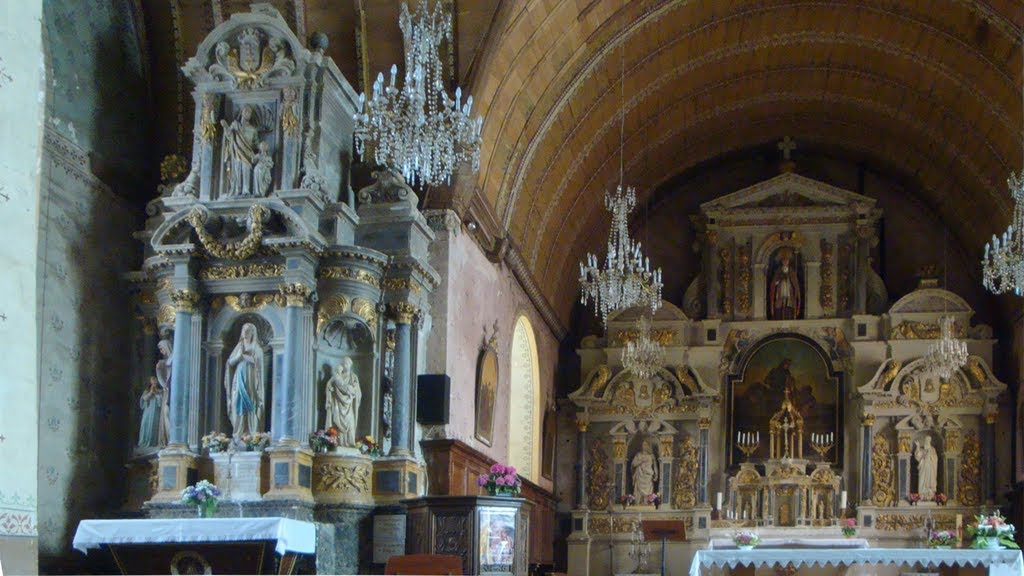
point(229, 338)
point(525, 401)
point(347, 335)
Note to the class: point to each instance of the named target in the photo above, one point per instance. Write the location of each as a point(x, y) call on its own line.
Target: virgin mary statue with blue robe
point(243, 383)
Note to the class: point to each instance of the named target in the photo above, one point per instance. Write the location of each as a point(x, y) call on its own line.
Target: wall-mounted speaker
point(432, 392)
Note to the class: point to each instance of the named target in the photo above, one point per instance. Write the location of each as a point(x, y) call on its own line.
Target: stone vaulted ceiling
point(932, 87)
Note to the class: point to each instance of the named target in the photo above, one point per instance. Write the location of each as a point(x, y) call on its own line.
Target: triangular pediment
point(788, 191)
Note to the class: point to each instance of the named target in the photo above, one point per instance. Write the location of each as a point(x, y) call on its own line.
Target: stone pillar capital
point(295, 293)
point(184, 300)
point(704, 422)
point(403, 312)
point(582, 421)
point(867, 419)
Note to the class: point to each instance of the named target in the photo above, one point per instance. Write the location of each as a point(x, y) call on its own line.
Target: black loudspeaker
point(432, 391)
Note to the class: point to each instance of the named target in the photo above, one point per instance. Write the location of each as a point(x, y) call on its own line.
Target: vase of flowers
point(626, 500)
point(369, 447)
point(849, 527)
point(254, 442)
point(992, 532)
point(323, 441)
point(913, 498)
point(216, 442)
point(940, 498)
point(203, 496)
point(501, 480)
point(941, 539)
point(746, 540)
point(653, 500)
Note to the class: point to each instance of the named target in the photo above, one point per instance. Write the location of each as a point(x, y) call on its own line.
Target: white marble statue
point(239, 148)
point(243, 383)
point(927, 467)
point(645, 473)
point(163, 379)
point(342, 398)
point(262, 174)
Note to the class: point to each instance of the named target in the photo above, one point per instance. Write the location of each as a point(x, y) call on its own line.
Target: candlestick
point(718, 501)
point(842, 500)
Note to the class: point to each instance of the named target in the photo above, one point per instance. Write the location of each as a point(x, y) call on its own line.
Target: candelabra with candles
point(747, 442)
point(823, 443)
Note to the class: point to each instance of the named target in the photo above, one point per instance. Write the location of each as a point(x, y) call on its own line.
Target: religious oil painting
point(787, 366)
point(497, 540)
point(486, 391)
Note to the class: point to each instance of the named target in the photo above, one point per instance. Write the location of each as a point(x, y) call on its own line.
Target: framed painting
point(547, 464)
point(497, 540)
point(486, 391)
point(779, 366)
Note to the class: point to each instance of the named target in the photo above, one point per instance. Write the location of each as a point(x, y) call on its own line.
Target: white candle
point(842, 500)
point(718, 501)
point(757, 436)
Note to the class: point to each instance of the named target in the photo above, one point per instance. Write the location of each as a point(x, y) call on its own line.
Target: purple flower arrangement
point(745, 539)
point(203, 495)
point(500, 479)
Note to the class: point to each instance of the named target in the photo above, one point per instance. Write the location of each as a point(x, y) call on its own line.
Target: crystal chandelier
point(1003, 264)
point(643, 356)
point(418, 129)
point(949, 354)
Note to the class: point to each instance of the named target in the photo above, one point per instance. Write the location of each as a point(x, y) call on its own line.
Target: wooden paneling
point(452, 470)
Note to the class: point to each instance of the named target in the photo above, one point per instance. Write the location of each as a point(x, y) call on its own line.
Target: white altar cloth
point(999, 562)
point(727, 543)
point(290, 535)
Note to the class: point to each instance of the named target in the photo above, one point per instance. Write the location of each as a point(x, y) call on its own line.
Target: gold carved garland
point(882, 491)
point(239, 250)
point(970, 471)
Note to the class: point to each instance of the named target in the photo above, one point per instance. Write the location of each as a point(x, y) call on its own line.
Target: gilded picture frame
point(486, 392)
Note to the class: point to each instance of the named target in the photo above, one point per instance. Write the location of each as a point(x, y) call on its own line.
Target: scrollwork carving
point(825, 289)
point(883, 492)
point(339, 477)
point(743, 280)
point(289, 120)
point(970, 471)
point(389, 187)
point(246, 65)
point(597, 477)
point(725, 272)
point(684, 492)
point(242, 271)
point(295, 293)
point(354, 274)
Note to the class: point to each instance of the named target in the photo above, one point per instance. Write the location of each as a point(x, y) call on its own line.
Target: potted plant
point(501, 480)
point(216, 442)
point(746, 540)
point(653, 500)
point(324, 440)
point(849, 527)
point(369, 447)
point(941, 539)
point(627, 500)
point(203, 496)
point(941, 498)
point(992, 532)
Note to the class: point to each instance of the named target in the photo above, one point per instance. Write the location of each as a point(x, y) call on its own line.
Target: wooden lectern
point(674, 530)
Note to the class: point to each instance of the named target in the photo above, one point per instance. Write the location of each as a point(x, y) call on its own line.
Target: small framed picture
point(486, 391)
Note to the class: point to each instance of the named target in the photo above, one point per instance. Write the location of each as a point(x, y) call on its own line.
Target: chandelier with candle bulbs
point(949, 353)
point(643, 356)
point(418, 129)
point(1003, 264)
point(626, 279)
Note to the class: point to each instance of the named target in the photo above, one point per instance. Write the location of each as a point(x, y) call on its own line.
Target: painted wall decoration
point(486, 391)
point(773, 366)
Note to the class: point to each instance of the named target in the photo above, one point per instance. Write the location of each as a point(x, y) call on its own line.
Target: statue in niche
point(645, 473)
point(163, 379)
point(342, 402)
point(243, 383)
point(784, 301)
point(262, 174)
point(927, 468)
point(239, 148)
point(152, 432)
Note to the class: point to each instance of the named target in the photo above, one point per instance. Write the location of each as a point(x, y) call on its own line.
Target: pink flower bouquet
point(500, 480)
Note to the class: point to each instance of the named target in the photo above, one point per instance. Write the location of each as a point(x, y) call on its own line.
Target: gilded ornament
point(712, 237)
point(165, 317)
point(825, 290)
point(898, 522)
point(147, 297)
point(242, 271)
point(247, 302)
point(208, 118)
point(354, 274)
point(329, 308)
point(867, 420)
point(582, 421)
point(951, 444)
point(725, 271)
point(611, 525)
point(367, 311)
point(619, 449)
point(967, 492)
point(389, 341)
point(704, 422)
point(295, 293)
point(172, 168)
point(976, 372)
point(889, 375)
point(904, 444)
point(684, 491)
point(402, 284)
point(239, 250)
point(597, 478)
point(883, 492)
point(598, 380)
point(743, 280)
point(403, 312)
point(845, 273)
point(991, 417)
point(342, 478)
point(289, 121)
point(665, 447)
point(912, 330)
point(251, 63)
point(184, 300)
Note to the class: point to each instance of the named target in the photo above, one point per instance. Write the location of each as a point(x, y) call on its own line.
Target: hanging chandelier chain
point(643, 356)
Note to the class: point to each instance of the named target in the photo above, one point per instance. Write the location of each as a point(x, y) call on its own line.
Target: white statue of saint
point(243, 383)
point(239, 146)
point(262, 174)
point(163, 379)
point(645, 473)
point(342, 398)
point(927, 466)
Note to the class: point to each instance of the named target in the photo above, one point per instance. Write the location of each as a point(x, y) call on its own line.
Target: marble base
point(294, 509)
point(143, 480)
point(177, 470)
point(291, 473)
point(344, 476)
point(344, 539)
point(239, 475)
point(396, 478)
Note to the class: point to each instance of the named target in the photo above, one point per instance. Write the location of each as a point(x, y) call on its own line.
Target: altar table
point(998, 562)
point(194, 545)
point(727, 543)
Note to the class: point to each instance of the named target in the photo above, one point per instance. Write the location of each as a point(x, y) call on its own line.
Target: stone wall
point(21, 85)
point(474, 292)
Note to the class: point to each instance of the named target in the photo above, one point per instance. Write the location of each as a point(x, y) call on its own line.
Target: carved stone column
point(619, 464)
point(667, 460)
point(951, 453)
point(812, 276)
point(582, 422)
point(988, 451)
point(401, 421)
point(760, 293)
point(867, 422)
point(704, 426)
point(711, 265)
point(865, 237)
point(903, 466)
